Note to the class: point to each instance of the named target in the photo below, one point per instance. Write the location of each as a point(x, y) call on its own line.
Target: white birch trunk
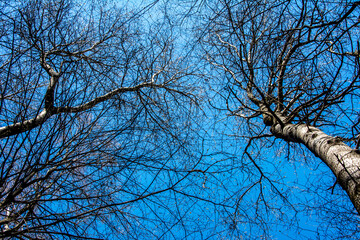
point(343, 161)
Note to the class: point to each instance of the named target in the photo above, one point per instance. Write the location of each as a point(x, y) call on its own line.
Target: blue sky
point(296, 185)
point(213, 189)
point(295, 196)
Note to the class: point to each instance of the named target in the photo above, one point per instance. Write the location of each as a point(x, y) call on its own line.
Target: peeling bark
point(343, 161)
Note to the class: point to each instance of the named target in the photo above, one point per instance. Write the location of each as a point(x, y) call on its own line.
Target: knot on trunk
point(268, 120)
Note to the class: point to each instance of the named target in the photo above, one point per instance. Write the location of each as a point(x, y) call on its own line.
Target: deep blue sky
point(296, 186)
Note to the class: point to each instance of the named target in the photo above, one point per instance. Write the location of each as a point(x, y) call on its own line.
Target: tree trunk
point(343, 161)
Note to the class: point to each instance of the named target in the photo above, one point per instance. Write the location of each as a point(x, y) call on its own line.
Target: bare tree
point(292, 73)
point(94, 109)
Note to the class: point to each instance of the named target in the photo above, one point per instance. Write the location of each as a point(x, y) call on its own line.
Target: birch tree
point(93, 110)
point(291, 71)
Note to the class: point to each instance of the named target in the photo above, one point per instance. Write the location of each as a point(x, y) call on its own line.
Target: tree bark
point(343, 161)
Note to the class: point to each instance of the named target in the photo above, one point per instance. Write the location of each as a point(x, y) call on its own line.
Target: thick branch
point(46, 113)
point(103, 98)
point(24, 126)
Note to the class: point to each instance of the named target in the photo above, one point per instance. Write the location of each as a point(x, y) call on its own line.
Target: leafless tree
point(94, 111)
point(290, 71)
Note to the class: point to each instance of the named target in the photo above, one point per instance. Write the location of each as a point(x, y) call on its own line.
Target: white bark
point(343, 161)
point(26, 125)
